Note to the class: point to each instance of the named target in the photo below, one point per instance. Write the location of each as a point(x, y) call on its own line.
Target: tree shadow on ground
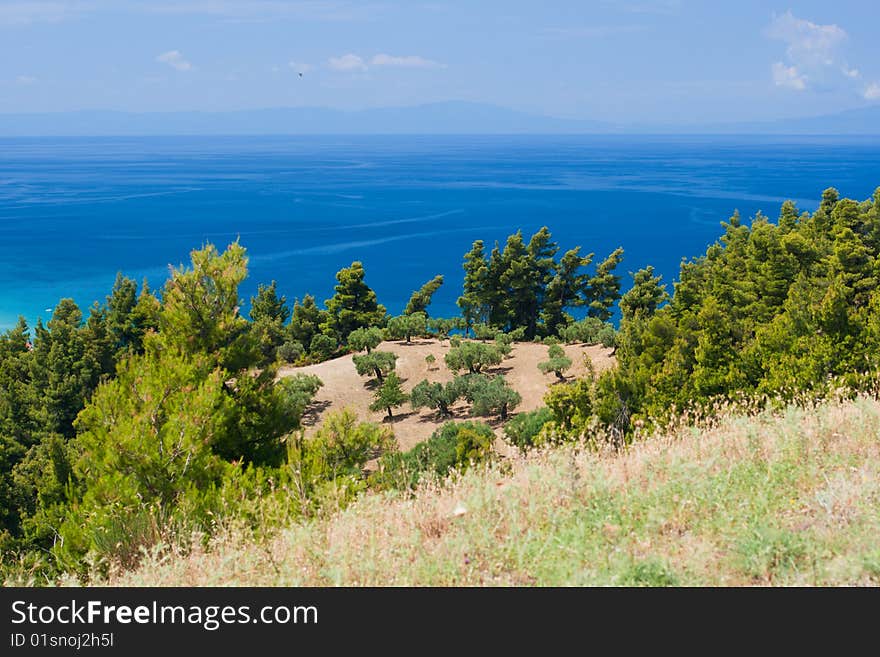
point(313, 412)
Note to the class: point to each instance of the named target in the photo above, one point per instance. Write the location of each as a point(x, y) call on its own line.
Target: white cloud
point(25, 80)
point(788, 76)
point(872, 91)
point(406, 61)
point(175, 60)
point(813, 58)
point(348, 63)
point(351, 63)
point(300, 67)
point(806, 40)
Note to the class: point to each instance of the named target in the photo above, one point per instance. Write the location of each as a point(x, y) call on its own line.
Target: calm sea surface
point(75, 211)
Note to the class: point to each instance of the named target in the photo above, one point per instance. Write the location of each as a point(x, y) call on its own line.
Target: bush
point(454, 445)
point(472, 356)
point(322, 346)
point(331, 463)
point(376, 363)
point(490, 396)
point(290, 351)
point(590, 330)
point(485, 331)
point(438, 396)
point(365, 339)
point(557, 362)
point(523, 429)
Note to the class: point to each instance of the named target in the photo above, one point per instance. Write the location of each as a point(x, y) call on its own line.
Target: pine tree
point(421, 298)
point(353, 305)
point(473, 302)
point(605, 286)
point(645, 296)
point(306, 321)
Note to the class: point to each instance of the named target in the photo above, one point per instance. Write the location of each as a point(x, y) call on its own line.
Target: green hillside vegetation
point(159, 418)
point(784, 498)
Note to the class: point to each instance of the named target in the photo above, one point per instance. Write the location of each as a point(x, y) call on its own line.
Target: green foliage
point(353, 305)
point(504, 343)
point(524, 286)
point(571, 405)
point(200, 308)
point(769, 310)
point(454, 445)
point(472, 356)
point(605, 287)
point(485, 332)
point(296, 393)
point(268, 305)
point(524, 429)
point(442, 327)
point(645, 296)
point(430, 359)
point(421, 298)
point(290, 351)
point(490, 395)
point(322, 347)
point(268, 313)
point(389, 395)
point(589, 330)
point(306, 321)
point(365, 339)
point(329, 466)
point(438, 396)
point(158, 443)
point(407, 326)
point(375, 363)
point(557, 362)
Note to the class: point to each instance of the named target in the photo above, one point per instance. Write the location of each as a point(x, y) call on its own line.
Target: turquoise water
point(75, 211)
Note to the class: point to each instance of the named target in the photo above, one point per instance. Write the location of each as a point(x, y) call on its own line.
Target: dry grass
point(786, 498)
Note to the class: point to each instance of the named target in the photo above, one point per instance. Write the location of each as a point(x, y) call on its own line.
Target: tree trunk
point(390, 416)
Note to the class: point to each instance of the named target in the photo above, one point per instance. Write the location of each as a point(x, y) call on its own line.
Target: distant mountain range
point(455, 117)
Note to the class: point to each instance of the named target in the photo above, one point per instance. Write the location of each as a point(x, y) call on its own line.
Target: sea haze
point(74, 211)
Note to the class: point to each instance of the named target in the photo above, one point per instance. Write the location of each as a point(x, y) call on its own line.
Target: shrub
point(322, 346)
point(523, 429)
point(365, 339)
point(377, 363)
point(557, 362)
point(454, 445)
point(472, 356)
point(290, 351)
point(490, 396)
point(438, 396)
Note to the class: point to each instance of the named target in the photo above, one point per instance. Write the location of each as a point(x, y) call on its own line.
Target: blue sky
point(638, 60)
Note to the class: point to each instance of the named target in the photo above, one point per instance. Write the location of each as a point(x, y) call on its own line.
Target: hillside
point(791, 498)
point(343, 387)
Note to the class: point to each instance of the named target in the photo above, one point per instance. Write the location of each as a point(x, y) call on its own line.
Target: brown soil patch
point(343, 387)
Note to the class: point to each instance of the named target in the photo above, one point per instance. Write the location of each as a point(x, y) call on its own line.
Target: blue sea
point(75, 211)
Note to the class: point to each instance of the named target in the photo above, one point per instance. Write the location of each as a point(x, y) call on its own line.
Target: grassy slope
point(785, 499)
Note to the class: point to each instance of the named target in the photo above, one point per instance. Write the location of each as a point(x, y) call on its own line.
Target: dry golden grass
point(785, 498)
